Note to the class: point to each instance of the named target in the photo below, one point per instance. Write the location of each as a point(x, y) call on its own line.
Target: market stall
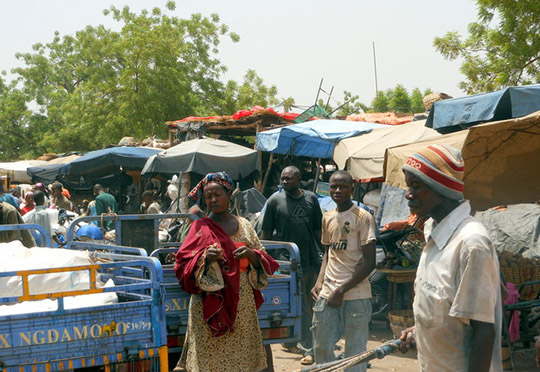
point(363, 156)
point(315, 139)
point(203, 156)
point(48, 173)
point(106, 162)
point(501, 161)
point(17, 170)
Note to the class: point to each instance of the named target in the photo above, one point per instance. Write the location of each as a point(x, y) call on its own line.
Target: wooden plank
point(267, 173)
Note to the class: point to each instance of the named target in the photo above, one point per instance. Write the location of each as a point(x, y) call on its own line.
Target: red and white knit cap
point(440, 167)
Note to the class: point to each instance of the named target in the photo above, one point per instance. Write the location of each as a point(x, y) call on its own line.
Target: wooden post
point(268, 167)
point(171, 138)
point(259, 185)
point(317, 173)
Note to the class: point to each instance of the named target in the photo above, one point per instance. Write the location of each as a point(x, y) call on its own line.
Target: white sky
point(290, 43)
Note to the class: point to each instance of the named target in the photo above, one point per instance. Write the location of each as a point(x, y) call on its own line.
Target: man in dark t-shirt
point(296, 217)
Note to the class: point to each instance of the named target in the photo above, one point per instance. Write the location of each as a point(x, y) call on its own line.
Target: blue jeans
point(350, 320)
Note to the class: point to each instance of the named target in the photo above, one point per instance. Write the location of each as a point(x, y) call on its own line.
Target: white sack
point(15, 257)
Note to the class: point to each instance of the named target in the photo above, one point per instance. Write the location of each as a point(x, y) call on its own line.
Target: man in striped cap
point(457, 305)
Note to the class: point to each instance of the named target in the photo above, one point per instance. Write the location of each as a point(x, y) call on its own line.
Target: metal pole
point(318, 91)
point(375, 67)
point(329, 96)
point(317, 173)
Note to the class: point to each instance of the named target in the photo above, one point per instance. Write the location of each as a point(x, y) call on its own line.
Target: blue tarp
point(460, 113)
point(315, 139)
point(46, 173)
point(109, 161)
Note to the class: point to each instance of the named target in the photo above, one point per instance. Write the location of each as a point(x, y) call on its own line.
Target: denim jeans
point(350, 321)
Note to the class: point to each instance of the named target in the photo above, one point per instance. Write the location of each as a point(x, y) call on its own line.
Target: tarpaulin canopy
point(47, 173)
point(16, 170)
point(363, 156)
point(459, 113)
point(202, 156)
point(314, 139)
point(501, 161)
point(101, 163)
point(395, 157)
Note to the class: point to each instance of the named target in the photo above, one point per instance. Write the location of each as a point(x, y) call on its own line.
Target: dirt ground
point(380, 332)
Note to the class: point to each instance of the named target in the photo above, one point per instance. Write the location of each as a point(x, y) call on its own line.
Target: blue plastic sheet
point(460, 113)
point(314, 139)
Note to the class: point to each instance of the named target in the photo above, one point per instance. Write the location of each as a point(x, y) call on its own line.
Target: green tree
point(381, 102)
point(351, 105)
point(327, 107)
point(288, 104)
point(502, 48)
point(13, 121)
point(96, 86)
point(254, 92)
point(417, 103)
point(400, 100)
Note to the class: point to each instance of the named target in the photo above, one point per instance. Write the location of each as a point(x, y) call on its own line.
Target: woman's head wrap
point(221, 178)
point(440, 167)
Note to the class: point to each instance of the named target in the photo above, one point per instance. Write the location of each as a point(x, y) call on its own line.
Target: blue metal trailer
point(112, 335)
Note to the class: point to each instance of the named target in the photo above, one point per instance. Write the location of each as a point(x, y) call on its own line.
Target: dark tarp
point(203, 156)
point(459, 113)
point(102, 163)
point(45, 174)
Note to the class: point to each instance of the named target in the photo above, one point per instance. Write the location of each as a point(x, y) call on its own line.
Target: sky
point(289, 43)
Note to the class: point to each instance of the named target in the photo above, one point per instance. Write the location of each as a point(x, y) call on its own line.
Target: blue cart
point(117, 335)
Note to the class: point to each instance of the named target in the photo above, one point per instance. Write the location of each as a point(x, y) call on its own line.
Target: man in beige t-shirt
point(457, 303)
point(343, 292)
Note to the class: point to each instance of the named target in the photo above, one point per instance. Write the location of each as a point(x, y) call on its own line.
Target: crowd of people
point(224, 266)
point(32, 204)
point(457, 291)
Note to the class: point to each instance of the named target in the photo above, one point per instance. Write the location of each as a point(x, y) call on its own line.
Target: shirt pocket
point(428, 307)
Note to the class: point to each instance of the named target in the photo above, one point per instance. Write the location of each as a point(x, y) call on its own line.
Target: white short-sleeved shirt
point(345, 233)
point(457, 280)
point(39, 216)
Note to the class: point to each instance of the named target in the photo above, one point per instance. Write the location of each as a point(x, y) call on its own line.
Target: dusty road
point(287, 362)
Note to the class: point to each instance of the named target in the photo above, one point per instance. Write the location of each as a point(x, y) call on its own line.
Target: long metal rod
point(329, 96)
point(375, 67)
point(318, 91)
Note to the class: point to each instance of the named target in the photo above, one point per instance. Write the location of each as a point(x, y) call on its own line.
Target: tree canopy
point(398, 99)
point(90, 89)
point(502, 48)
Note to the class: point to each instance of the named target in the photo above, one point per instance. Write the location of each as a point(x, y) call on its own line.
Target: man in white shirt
point(457, 304)
point(39, 215)
point(342, 291)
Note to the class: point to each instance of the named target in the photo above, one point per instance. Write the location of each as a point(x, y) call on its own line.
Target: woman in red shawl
point(224, 266)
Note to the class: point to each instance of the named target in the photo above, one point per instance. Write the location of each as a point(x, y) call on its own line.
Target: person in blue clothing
point(7, 197)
